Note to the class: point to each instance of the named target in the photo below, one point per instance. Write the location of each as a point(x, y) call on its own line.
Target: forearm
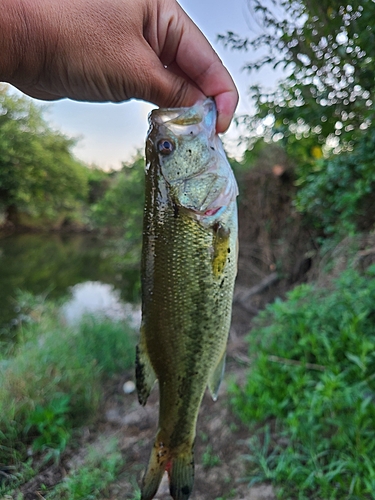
point(11, 21)
point(22, 40)
point(111, 50)
point(80, 49)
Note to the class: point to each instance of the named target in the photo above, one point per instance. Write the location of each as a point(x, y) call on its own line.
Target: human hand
point(111, 50)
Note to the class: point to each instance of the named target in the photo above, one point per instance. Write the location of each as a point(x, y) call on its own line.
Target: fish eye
point(165, 146)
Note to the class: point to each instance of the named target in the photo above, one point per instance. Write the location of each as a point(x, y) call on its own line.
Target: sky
point(112, 133)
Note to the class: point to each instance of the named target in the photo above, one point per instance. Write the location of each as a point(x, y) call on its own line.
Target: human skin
point(111, 50)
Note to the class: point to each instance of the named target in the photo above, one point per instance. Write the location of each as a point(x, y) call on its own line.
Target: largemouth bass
point(189, 264)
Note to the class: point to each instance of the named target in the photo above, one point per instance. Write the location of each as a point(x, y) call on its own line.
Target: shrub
point(312, 382)
point(337, 194)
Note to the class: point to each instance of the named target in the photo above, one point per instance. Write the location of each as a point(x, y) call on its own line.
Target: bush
point(121, 206)
point(337, 194)
point(312, 381)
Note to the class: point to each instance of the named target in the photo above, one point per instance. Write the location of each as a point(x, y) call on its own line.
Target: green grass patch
point(52, 381)
point(312, 387)
point(91, 480)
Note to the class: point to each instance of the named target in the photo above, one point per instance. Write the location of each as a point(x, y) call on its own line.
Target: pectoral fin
point(216, 377)
point(144, 373)
point(220, 243)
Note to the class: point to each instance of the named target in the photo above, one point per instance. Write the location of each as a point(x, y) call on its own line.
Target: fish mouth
point(186, 120)
point(207, 188)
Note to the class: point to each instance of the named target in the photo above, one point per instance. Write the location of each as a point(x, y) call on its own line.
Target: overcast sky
point(112, 133)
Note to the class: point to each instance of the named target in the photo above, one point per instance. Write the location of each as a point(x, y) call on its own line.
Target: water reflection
point(50, 264)
point(99, 299)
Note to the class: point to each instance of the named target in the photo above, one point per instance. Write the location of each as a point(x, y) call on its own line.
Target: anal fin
point(216, 377)
point(144, 373)
point(155, 470)
point(180, 468)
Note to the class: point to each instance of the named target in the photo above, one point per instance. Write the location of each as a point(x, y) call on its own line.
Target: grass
point(52, 381)
point(210, 458)
point(92, 479)
point(309, 395)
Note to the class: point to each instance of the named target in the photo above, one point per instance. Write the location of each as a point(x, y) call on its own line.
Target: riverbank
point(46, 393)
point(27, 224)
point(77, 431)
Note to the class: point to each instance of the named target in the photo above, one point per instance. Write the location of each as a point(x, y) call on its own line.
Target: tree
point(121, 206)
point(38, 172)
point(326, 48)
point(322, 112)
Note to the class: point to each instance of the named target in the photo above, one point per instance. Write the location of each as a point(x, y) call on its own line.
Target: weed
point(13, 477)
point(313, 378)
point(91, 480)
point(209, 458)
point(137, 495)
point(233, 427)
point(203, 436)
point(51, 422)
point(228, 496)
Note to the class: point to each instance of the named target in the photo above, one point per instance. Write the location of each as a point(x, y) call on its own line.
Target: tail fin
point(181, 476)
point(180, 471)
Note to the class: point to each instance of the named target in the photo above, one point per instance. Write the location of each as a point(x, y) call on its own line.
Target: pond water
point(100, 299)
point(51, 264)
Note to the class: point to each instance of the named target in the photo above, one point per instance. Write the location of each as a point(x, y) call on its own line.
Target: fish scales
point(189, 263)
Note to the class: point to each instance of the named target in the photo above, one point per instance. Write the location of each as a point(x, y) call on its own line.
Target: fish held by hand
point(189, 264)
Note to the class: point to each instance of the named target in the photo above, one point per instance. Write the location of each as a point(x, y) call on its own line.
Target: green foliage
point(313, 379)
point(121, 210)
point(98, 182)
point(38, 173)
point(324, 104)
point(337, 193)
point(326, 48)
point(122, 204)
point(210, 458)
point(52, 382)
point(51, 423)
point(91, 480)
point(111, 356)
point(19, 475)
